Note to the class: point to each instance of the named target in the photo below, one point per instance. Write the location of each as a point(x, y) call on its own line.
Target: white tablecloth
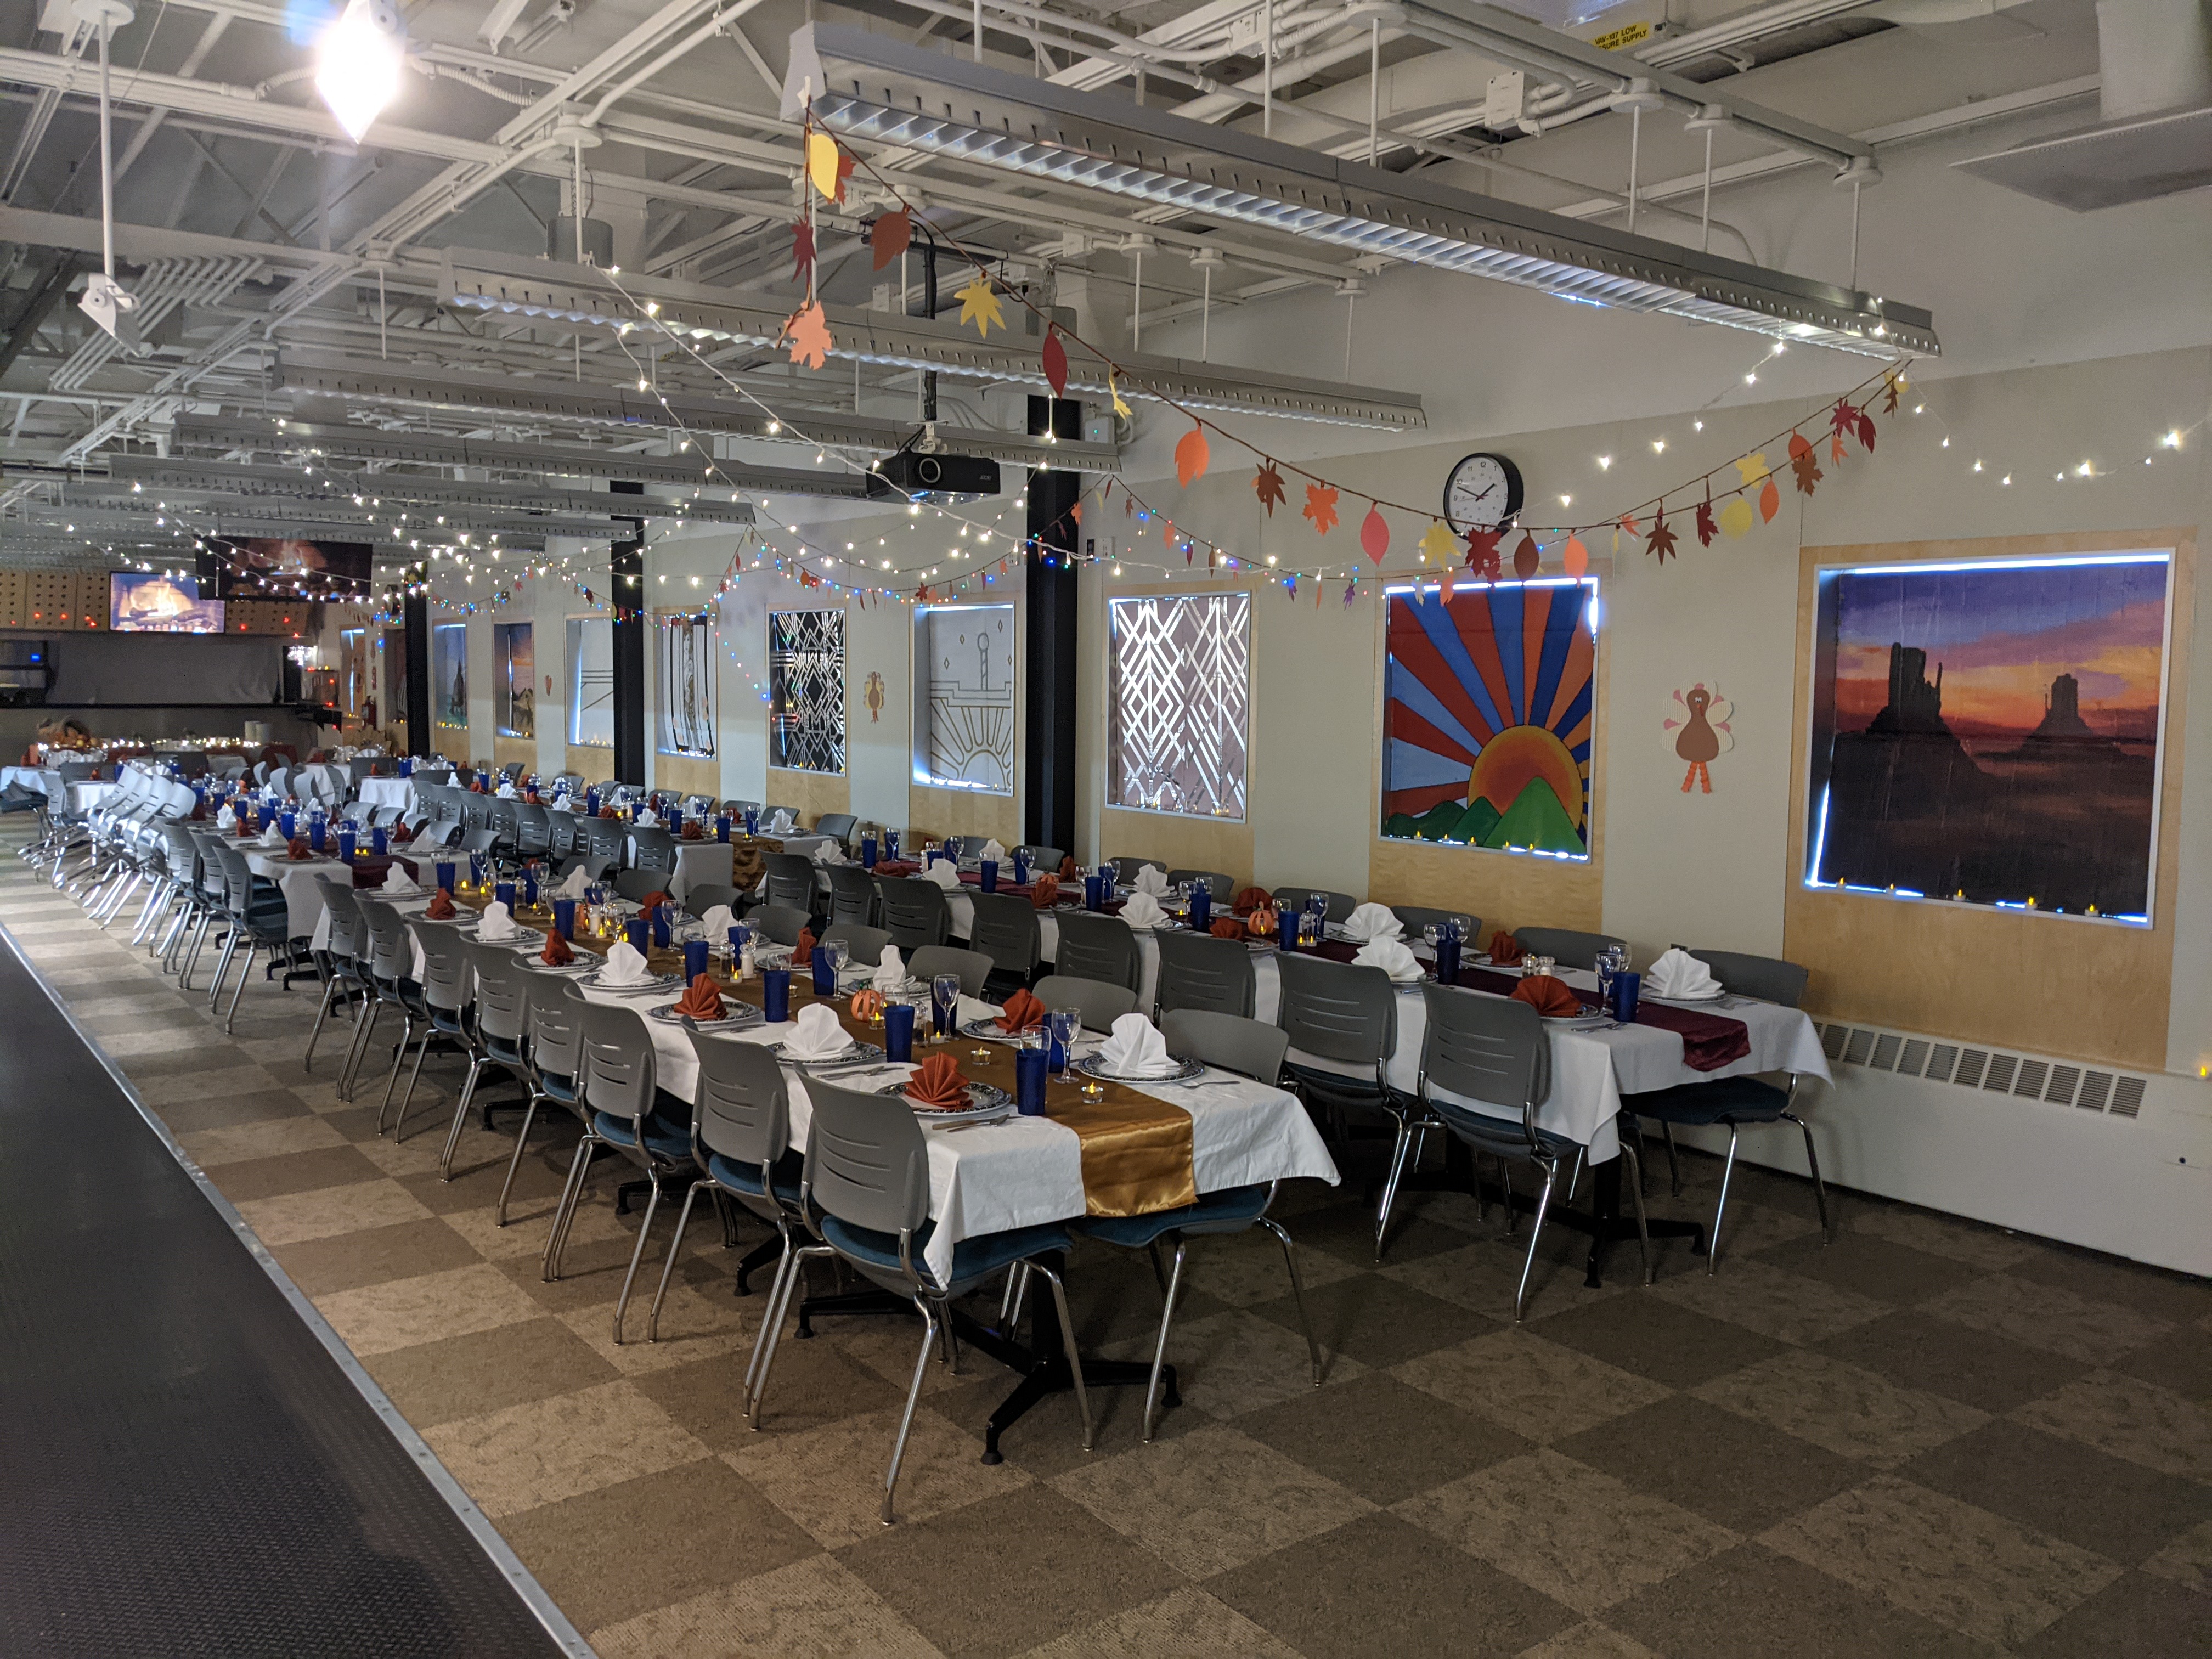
point(303, 896)
point(388, 792)
point(700, 862)
point(35, 779)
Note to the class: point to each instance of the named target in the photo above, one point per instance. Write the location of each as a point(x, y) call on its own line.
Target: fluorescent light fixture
point(358, 62)
point(2058, 562)
point(870, 88)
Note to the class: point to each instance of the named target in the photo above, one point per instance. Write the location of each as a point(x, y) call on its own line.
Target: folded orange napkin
point(556, 953)
point(1044, 892)
point(299, 849)
point(475, 788)
point(703, 1000)
point(1021, 1011)
point(802, 954)
point(938, 1086)
point(1505, 948)
point(1254, 898)
point(1549, 997)
point(245, 830)
point(652, 901)
point(442, 907)
point(1227, 927)
point(1067, 870)
point(692, 831)
point(608, 812)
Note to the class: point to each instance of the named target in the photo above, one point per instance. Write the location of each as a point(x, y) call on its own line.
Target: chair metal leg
point(556, 1239)
point(1536, 1233)
point(779, 1310)
point(521, 1139)
point(223, 966)
point(1075, 1356)
point(357, 1051)
point(1390, 1184)
point(913, 1398)
point(315, 1032)
point(1673, 1162)
point(762, 1344)
point(1297, 1291)
point(637, 1253)
point(460, 1117)
point(399, 1059)
point(1713, 1241)
point(1574, 1175)
point(1017, 1285)
point(246, 973)
point(668, 1267)
point(1813, 1163)
point(1160, 1348)
point(421, 1054)
point(1636, 1191)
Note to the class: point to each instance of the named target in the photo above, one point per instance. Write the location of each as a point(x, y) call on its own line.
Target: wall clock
point(1483, 492)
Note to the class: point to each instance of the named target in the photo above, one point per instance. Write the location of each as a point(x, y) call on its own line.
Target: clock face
point(1482, 493)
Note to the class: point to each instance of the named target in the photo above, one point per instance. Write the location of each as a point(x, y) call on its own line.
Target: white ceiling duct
point(2155, 99)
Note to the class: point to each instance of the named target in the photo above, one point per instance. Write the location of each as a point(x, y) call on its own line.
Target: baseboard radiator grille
point(1989, 1071)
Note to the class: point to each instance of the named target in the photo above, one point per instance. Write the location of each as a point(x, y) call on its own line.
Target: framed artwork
point(1988, 731)
point(1489, 709)
point(592, 682)
point(964, 658)
point(514, 697)
point(806, 690)
point(449, 674)
point(686, 644)
point(1182, 701)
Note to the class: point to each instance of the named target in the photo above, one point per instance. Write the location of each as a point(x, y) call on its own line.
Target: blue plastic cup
point(898, 1031)
point(660, 937)
point(737, 942)
point(752, 823)
point(1625, 985)
point(378, 843)
point(640, 932)
point(890, 843)
point(564, 917)
point(317, 831)
point(775, 995)
point(591, 803)
point(346, 844)
point(1031, 1066)
point(529, 889)
point(1202, 907)
point(825, 976)
point(1448, 949)
point(504, 893)
point(988, 875)
point(722, 826)
point(287, 824)
point(444, 874)
point(1021, 870)
point(695, 958)
point(868, 852)
point(1094, 897)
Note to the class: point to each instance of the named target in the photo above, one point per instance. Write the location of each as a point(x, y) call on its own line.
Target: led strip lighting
point(868, 87)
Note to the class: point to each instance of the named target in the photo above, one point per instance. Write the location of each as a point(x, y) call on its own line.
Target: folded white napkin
point(781, 824)
point(717, 923)
point(826, 852)
point(508, 791)
point(625, 965)
point(1372, 921)
point(575, 886)
point(817, 1035)
point(945, 874)
point(1141, 909)
point(891, 972)
point(1392, 957)
point(649, 819)
point(1136, 1049)
point(994, 853)
point(1151, 879)
point(496, 923)
point(1679, 974)
point(272, 837)
point(225, 819)
point(398, 884)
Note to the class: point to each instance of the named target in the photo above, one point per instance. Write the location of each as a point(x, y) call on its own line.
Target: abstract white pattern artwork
point(968, 651)
point(687, 685)
point(1182, 688)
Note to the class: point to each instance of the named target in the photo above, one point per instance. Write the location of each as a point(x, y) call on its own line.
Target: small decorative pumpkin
point(1261, 922)
point(867, 1005)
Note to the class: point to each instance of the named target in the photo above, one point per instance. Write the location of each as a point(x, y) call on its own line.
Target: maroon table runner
point(1708, 1041)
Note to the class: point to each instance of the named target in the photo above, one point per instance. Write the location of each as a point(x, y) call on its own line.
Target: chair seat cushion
point(562, 1088)
point(506, 1049)
point(1501, 1136)
point(972, 1258)
point(1736, 1099)
point(661, 1139)
point(1226, 1211)
point(747, 1178)
point(1337, 1086)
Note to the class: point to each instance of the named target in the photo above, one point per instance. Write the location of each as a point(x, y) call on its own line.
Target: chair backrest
point(1229, 1041)
point(512, 770)
point(865, 944)
point(445, 969)
point(502, 998)
point(1045, 860)
point(790, 879)
point(1565, 946)
point(561, 834)
point(1098, 947)
point(742, 1109)
point(1418, 916)
point(931, 960)
point(914, 912)
point(779, 922)
point(237, 877)
point(603, 837)
point(638, 885)
point(653, 850)
point(184, 853)
point(1126, 869)
point(476, 811)
point(618, 1076)
point(391, 950)
point(839, 824)
point(1199, 971)
point(1339, 1011)
point(556, 1023)
point(867, 1164)
point(705, 894)
point(1222, 887)
point(345, 915)
point(485, 839)
point(533, 829)
point(1099, 1002)
point(504, 819)
point(1006, 930)
point(852, 894)
point(1489, 1048)
point(1340, 905)
point(1769, 979)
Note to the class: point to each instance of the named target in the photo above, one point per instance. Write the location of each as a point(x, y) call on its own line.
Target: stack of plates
point(1184, 1072)
point(736, 1015)
point(985, 1104)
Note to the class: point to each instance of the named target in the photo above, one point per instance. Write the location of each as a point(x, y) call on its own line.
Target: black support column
point(415, 672)
point(627, 576)
point(1048, 750)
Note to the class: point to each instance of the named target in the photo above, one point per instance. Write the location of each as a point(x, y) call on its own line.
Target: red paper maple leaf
point(802, 251)
point(1268, 485)
point(1321, 507)
point(1844, 418)
point(1706, 527)
point(1804, 464)
point(1892, 389)
point(845, 162)
point(1866, 432)
point(1482, 552)
point(889, 236)
point(1661, 540)
point(1055, 362)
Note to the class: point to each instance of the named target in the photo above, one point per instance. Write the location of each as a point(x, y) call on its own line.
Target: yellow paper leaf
point(822, 162)
point(1439, 543)
point(979, 306)
point(1735, 517)
point(1752, 467)
point(1113, 385)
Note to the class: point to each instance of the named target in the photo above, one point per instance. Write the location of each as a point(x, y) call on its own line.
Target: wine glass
point(1064, 1024)
point(944, 990)
point(839, 954)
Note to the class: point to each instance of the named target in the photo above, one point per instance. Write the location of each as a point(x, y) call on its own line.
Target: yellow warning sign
point(1628, 34)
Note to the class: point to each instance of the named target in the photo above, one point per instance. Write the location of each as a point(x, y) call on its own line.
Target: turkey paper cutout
point(1702, 717)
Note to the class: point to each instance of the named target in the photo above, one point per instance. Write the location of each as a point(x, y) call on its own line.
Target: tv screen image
point(283, 566)
point(149, 602)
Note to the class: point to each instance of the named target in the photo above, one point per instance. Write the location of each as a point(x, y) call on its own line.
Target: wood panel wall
point(2069, 985)
point(689, 775)
point(1178, 843)
point(810, 794)
point(941, 812)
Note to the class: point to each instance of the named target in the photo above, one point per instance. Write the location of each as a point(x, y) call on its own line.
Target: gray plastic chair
point(862, 944)
point(1044, 861)
point(914, 912)
point(867, 1178)
point(1250, 1047)
point(1340, 905)
point(1222, 886)
point(502, 1025)
point(779, 922)
point(652, 848)
point(1495, 1051)
point(1005, 929)
point(640, 885)
point(1126, 869)
point(790, 880)
point(836, 825)
point(973, 966)
point(1099, 1003)
point(533, 830)
point(1348, 1014)
point(1565, 946)
point(705, 894)
point(1418, 916)
point(553, 1060)
point(852, 894)
point(1769, 979)
point(1199, 971)
point(343, 980)
point(445, 1006)
point(1094, 946)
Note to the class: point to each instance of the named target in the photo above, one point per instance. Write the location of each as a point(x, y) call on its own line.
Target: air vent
point(2064, 1079)
point(2029, 1085)
point(2096, 1090)
point(1858, 1047)
point(1940, 1058)
point(1970, 1062)
point(1915, 1056)
point(2127, 1097)
point(1885, 1052)
point(2023, 1077)
point(1998, 1079)
point(1832, 1040)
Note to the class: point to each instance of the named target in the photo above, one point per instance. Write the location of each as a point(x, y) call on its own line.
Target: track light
point(358, 62)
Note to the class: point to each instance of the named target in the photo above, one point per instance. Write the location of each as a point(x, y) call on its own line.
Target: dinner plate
point(736, 1015)
point(987, 1030)
point(653, 982)
point(985, 1103)
point(852, 1056)
point(1713, 996)
point(1185, 1070)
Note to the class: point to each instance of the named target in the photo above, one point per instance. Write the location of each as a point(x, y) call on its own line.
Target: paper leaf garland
point(1482, 553)
point(1076, 513)
point(889, 236)
point(1769, 502)
point(1866, 432)
point(808, 330)
point(1842, 419)
point(1752, 467)
point(979, 306)
point(845, 166)
point(1804, 464)
point(802, 252)
point(1191, 455)
point(1374, 534)
point(1661, 540)
point(1575, 555)
point(1735, 517)
point(1704, 522)
point(1321, 508)
point(822, 163)
point(1527, 556)
point(1438, 544)
point(1114, 389)
point(1893, 388)
point(1055, 362)
point(1268, 485)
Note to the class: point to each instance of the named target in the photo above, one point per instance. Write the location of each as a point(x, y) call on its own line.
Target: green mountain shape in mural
point(1536, 819)
point(1476, 822)
point(1440, 822)
point(1401, 826)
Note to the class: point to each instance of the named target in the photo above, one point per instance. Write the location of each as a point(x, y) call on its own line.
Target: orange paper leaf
point(1191, 455)
point(1374, 533)
point(1769, 502)
point(1577, 556)
point(1321, 507)
point(808, 330)
point(889, 236)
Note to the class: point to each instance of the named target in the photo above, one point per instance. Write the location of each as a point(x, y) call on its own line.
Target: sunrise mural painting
point(1989, 733)
point(1488, 700)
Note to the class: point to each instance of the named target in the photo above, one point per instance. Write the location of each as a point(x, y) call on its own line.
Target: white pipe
point(1374, 84)
point(106, 162)
point(1266, 67)
point(706, 32)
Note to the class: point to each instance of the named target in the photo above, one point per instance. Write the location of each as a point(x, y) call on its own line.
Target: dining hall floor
point(1930, 1437)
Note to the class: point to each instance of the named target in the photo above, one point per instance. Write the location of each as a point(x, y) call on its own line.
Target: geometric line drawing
point(1182, 687)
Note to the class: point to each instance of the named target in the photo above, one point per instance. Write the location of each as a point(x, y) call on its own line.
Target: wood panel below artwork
point(936, 813)
point(1175, 842)
point(690, 775)
point(810, 794)
point(1506, 889)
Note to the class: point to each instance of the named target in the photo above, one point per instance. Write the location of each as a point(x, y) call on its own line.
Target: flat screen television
point(149, 602)
point(286, 567)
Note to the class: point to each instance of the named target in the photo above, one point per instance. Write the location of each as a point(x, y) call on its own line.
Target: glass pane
point(1183, 687)
point(592, 682)
point(969, 651)
point(806, 690)
point(687, 685)
point(449, 674)
point(514, 664)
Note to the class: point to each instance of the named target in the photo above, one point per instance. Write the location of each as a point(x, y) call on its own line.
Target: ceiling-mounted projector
point(934, 478)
